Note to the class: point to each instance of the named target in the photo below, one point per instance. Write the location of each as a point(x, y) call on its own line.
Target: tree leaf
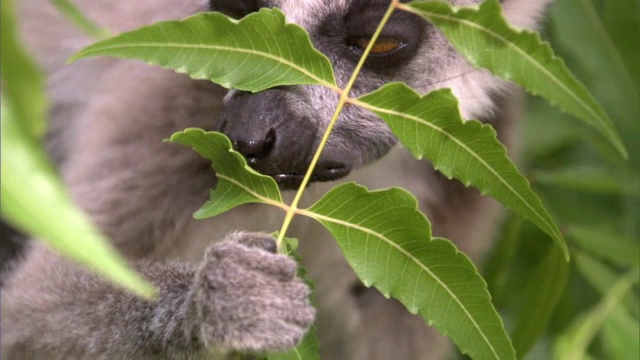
point(33, 197)
point(484, 37)
point(76, 16)
point(469, 151)
point(621, 336)
point(256, 53)
point(543, 291)
point(387, 241)
point(34, 200)
point(605, 57)
point(594, 178)
point(600, 276)
point(611, 246)
point(237, 182)
point(573, 343)
point(22, 83)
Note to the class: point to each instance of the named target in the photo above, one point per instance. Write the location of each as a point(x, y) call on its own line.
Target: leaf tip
point(73, 58)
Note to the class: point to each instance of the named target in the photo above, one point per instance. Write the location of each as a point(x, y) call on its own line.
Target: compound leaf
point(485, 38)
point(256, 53)
point(237, 182)
point(387, 241)
point(431, 126)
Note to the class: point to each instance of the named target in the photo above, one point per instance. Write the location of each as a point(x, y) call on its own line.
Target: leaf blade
point(431, 126)
point(452, 295)
point(485, 38)
point(22, 81)
point(35, 201)
point(228, 55)
point(237, 183)
point(33, 197)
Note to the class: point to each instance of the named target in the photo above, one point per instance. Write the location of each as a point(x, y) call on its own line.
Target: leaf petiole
point(344, 98)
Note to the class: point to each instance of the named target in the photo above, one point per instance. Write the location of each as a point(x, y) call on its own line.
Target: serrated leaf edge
point(321, 218)
point(237, 156)
point(95, 49)
point(551, 226)
point(608, 130)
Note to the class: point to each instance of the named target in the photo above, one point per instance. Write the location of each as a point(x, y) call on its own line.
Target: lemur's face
point(278, 130)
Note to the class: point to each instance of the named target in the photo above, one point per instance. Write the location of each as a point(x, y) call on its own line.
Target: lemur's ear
point(524, 13)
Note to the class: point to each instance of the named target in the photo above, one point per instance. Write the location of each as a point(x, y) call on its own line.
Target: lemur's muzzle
point(277, 133)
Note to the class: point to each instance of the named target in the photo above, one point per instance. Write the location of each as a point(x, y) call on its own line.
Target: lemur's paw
point(249, 297)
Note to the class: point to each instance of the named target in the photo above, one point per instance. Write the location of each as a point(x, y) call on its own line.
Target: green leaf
point(600, 276)
point(612, 247)
point(499, 265)
point(622, 22)
point(573, 343)
point(591, 178)
point(469, 151)
point(387, 241)
point(484, 37)
point(33, 197)
point(22, 84)
point(237, 182)
point(253, 54)
point(34, 200)
point(621, 336)
point(76, 16)
point(605, 60)
point(543, 290)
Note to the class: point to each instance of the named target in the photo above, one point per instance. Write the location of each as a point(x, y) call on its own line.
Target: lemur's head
point(278, 130)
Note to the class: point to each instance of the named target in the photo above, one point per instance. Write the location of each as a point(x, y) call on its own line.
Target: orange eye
point(382, 46)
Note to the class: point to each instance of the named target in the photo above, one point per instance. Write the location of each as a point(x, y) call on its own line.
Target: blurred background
point(584, 309)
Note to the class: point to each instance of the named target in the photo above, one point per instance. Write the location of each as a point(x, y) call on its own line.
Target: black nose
point(276, 135)
point(255, 149)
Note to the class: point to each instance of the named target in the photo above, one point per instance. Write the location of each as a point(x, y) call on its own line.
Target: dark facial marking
point(236, 8)
point(356, 27)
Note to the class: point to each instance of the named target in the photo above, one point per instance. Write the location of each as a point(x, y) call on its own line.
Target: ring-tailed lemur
point(108, 119)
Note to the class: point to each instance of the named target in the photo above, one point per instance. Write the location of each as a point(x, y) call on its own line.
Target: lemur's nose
point(277, 133)
point(253, 148)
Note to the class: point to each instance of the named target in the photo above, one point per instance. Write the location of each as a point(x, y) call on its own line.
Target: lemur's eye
point(383, 46)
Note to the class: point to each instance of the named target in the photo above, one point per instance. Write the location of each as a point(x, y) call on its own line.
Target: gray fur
point(108, 118)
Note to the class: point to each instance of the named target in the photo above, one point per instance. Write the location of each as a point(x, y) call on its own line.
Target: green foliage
point(592, 194)
point(387, 241)
point(541, 295)
point(33, 197)
point(76, 16)
point(22, 86)
point(237, 183)
point(574, 342)
point(256, 53)
point(469, 151)
point(488, 41)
